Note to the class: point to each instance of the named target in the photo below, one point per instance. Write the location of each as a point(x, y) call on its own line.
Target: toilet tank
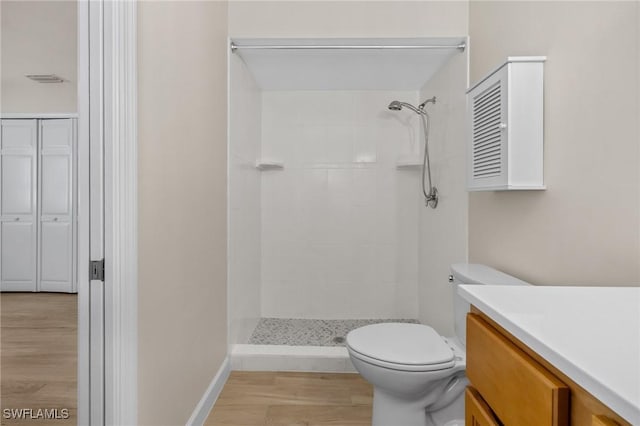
point(471, 273)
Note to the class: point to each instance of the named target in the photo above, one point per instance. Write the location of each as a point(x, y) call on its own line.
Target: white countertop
point(591, 334)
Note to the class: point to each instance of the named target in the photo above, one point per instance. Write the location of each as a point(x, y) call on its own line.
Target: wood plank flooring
point(293, 399)
point(38, 354)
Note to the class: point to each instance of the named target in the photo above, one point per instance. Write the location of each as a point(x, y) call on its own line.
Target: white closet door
point(56, 233)
point(18, 180)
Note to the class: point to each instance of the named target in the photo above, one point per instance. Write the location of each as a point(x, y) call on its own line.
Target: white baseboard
point(326, 359)
point(210, 396)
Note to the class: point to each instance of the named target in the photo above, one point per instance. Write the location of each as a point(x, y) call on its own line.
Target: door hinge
point(96, 270)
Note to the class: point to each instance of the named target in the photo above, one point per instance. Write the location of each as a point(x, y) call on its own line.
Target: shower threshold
point(288, 344)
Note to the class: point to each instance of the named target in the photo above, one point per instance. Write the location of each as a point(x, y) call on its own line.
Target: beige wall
point(347, 18)
point(585, 228)
point(182, 115)
point(38, 37)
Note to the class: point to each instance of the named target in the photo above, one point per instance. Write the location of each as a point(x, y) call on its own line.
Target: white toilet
point(419, 376)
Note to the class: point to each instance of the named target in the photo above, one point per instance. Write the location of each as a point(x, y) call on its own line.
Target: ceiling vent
point(45, 78)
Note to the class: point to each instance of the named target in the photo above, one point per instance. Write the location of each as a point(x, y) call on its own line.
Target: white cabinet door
point(56, 261)
point(18, 237)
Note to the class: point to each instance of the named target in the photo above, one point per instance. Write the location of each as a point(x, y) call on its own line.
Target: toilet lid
point(401, 343)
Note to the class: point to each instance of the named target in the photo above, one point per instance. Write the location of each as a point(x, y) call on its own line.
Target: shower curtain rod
point(234, 47)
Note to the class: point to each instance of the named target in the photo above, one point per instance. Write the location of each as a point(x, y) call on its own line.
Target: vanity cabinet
point(477, 412)
point(518, 390)
point(512, 385)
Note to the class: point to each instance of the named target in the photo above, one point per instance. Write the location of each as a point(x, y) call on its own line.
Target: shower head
point(397, 106)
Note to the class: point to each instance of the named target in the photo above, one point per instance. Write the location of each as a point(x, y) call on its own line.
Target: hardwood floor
point(293, 399)
point(38, 355)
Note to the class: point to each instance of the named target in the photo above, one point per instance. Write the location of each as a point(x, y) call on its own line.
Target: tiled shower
point(332, 244)
point(325, 214)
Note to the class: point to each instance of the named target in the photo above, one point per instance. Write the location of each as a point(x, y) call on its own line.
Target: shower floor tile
point(309, 332)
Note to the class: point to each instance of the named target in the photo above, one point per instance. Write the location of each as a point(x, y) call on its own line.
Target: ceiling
point(340, 68)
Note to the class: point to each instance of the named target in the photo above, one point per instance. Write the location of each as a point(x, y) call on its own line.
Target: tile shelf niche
point(269, 164)
point(409, 163)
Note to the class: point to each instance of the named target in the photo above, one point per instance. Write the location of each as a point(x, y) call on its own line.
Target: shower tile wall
point(443, 232)
point(339, 224)
point(244, 203)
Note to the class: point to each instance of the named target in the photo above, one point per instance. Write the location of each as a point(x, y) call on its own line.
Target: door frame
point(107, 311)
point(121, 213)
point(83, 381)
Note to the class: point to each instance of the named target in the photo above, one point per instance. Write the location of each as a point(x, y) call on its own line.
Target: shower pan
point(309, 332)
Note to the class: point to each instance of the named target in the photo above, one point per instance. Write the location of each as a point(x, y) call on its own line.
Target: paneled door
point(56, 206)
point(18, 182)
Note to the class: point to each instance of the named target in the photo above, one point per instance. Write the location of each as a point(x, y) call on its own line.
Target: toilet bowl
point(418, 375)
point(411, 368)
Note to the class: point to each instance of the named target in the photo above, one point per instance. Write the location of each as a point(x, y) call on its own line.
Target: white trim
point(96, 212)
point(76, 230)
point(107, 357)
point(230, 334)
point(326, 359)
point(83, 214)
point(202, 410)
point(120, 125)
point(47, 115)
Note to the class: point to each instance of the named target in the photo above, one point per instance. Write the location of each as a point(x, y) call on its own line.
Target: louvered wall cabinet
point(506, 127)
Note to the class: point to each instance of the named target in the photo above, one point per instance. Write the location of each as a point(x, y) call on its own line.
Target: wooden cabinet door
point(519, 390)
point(477, 412)
point(602, 421)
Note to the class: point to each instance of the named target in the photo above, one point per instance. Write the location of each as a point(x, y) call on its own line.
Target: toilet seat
point(401, 346)
point(403, 367)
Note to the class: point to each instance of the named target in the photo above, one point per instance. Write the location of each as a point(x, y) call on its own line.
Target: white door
point(56, 201)
point(18, 171)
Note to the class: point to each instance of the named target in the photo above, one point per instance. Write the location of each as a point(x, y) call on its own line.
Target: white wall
point(443, 231)
point(245, 110)
point(182, 195)
point(38, 37)
point(330, 232)
point(585, 228)
point(407, 261)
